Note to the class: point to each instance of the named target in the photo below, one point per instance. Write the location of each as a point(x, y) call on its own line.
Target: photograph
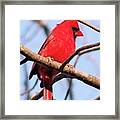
point(69, 67)
point(60, 63)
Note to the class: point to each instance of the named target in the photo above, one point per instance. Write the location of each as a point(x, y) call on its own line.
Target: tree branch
point(68, 69)
point(89, 25)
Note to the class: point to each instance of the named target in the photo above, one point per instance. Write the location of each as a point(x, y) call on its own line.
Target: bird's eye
point(75, 29)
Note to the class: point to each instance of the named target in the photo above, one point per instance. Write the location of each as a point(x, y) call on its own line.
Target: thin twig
point(89, 25)
point(23, 36)
point(37, 96)
point(68, 69)
point(75, 63)
point(43, 25)
point(26, 81)
point(97, 98)
point(80, 51)
point(86, 51)
point(90, 58)
point(26, 85)
point(23, 61)
point(30, 89)
point(89, 50)
point(69, 88)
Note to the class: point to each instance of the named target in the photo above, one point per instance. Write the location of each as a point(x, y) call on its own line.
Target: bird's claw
point(50, 59)
point(71, 66)
point(63, 65)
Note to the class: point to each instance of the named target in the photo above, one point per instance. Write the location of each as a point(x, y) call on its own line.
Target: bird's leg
point(47, 92)
point(46, 83)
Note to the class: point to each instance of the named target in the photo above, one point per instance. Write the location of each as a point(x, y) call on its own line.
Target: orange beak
point(78, 33)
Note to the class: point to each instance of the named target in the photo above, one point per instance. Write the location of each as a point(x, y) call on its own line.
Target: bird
point(59, 45)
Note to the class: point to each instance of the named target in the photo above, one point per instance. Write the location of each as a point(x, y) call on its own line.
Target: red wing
point(49, 38)
point(35, 65)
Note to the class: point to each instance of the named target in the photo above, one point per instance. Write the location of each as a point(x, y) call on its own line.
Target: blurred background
point(33, 33)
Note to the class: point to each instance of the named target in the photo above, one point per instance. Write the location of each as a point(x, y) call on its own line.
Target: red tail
point(47, 94)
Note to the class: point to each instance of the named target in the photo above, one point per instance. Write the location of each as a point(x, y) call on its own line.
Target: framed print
point(60, 60)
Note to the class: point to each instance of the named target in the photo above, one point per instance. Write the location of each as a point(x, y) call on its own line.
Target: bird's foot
point(63, 65)
point(50, 58)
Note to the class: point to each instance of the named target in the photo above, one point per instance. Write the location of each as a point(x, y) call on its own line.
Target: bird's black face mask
point(76, 32)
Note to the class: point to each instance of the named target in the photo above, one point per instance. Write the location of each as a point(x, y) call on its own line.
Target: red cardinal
point(59, 45)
